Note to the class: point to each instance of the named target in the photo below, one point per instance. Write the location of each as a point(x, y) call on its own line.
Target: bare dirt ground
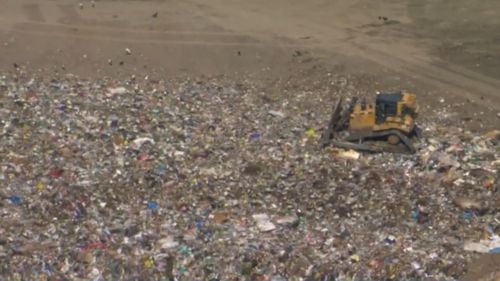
point(439, 49)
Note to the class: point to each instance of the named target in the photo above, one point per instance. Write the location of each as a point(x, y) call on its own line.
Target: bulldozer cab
point(395, 104)
point(386, 105)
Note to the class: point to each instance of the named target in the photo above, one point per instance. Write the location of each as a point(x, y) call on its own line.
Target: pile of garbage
point(211, 179)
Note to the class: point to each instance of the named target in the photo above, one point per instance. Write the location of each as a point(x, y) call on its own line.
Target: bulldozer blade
point(334, 120)
point(342, 124)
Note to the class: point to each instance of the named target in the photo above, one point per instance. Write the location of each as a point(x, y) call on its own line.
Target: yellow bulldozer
point(387, 125)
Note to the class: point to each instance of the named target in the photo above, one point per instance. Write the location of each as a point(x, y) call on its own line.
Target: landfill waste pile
point(146, 179)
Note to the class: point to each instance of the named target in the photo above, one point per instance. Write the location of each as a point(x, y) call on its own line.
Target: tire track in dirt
point(120, 33)
point(138, 38)
point(469, 74)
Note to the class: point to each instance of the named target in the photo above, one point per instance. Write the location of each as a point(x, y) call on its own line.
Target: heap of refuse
point(211, 179)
